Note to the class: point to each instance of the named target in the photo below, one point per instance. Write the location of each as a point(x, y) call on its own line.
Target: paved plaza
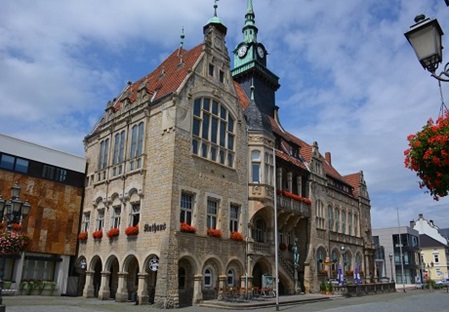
point(410, 301)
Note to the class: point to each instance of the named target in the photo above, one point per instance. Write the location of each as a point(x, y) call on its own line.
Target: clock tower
point(250, 71)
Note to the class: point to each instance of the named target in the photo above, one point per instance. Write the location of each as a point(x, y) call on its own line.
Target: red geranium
point(236, 236)
point(428, 155)
point(113, 232)
point(132, 230)
point(187, 228)
point(97, 234)
point(82, 236)
point(288, 194)
point(214, 232)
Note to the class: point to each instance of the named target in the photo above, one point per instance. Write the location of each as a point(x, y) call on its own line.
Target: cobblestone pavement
point(413, 300)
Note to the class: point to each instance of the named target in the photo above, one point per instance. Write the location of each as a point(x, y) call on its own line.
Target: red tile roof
point(166, 78)
point(354, 180)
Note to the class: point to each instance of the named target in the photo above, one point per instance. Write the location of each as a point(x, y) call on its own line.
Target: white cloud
point(349, 78)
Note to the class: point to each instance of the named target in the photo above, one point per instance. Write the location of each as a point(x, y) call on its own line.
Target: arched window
point(255, 166)
point(320, 256)
point(207, 278)
point(231, 278)
point(343, 221)
point(356, 223)
point(213, 132)
point(349, 223)
point(330, 218)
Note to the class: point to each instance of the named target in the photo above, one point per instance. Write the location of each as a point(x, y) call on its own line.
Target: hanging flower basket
point(132, 230)
point(236, 236)
point(187, 228)
point(12, 243)
point(97, 234)
point(428, 156)
point(83, 236)
point(114, 232)
point(214, 233)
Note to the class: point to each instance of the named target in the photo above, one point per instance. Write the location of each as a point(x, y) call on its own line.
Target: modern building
point(53, 184)
point(428, 227)
point(391, 248)
point(189, 168)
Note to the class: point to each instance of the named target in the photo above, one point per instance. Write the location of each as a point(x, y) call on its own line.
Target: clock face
point(242, 51)
point(260, 51)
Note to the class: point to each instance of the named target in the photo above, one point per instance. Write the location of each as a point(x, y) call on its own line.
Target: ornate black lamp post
point(11, 211)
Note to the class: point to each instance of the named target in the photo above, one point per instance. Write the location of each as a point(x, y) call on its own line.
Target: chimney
point(328, 158)
point(412, 224)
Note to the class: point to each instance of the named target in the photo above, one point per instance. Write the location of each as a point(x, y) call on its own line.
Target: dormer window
point(294, 151)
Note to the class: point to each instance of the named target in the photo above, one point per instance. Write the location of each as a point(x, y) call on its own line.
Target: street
point(412, 300)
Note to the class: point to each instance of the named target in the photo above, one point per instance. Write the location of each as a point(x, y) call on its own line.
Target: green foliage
point(323, 286)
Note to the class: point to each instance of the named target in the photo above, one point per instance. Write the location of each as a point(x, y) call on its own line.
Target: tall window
point(269, 168)
point(212, 212)
point(356, 223)
point(135, 214)
point(103, 157)
point(337, 220)
point(86, 222)
point(436, 258)
point(186, 208)
point(343, 221)
point(115, 219)
point(99, 222)
point(349, 223)
point(255, 166)
point(234, 218)
point(213, 132)
point(119, 146)
point(320, 223)
point(258, 232)
point(330, 218)
point(136, 140)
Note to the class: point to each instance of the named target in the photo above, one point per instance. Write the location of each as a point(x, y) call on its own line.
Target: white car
point(443, 282)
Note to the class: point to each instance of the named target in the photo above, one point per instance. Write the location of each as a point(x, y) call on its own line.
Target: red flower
point(132, 230)
point(187, 228)
point(214, 233)
point(16, 227)
point(294, 196)
point(236, 236)
point(82, 236)
point(113, 232)
point(97, 234)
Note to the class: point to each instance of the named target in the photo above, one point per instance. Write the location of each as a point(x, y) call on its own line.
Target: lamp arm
point(445, 72)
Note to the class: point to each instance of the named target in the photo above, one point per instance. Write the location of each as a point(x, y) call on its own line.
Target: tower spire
point(181, 43)
point(250, 30)
point(215, 7)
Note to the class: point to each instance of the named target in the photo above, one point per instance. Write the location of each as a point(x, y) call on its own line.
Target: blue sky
point(349, 79)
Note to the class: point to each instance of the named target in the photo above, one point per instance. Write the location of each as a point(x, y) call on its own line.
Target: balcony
point(293, 203)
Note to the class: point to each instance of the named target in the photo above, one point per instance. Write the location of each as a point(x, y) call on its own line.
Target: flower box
point(132, 230)
point(97, 234)
point(236, 236)
point(13, 243)
point(187, 228)
point(16, 227)
point(214, 233)
point(294, 196)
point(83, 236)
point(114, 232)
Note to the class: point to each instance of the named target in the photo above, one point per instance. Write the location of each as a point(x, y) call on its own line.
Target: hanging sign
point(154, 264)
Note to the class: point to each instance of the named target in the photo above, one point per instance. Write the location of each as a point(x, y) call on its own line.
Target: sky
point(349, 79)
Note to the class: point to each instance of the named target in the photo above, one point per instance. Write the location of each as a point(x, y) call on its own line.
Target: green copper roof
point(215, 19)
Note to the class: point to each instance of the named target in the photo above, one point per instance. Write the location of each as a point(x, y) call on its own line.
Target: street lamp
point(391, 266)
point(11, 211)
point(425, 38)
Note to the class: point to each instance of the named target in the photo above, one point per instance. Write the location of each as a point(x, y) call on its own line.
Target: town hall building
point(188, 169)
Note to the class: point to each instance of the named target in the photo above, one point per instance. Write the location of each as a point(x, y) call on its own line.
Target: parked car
point(443, 282)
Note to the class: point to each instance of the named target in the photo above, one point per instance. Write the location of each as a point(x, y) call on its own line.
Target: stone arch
point(149, 276)
point(96, 265)
point(211, 270)
point(348, 260)
point(187, 269)
point(260, 225)
point(261, 266)
point(320, 257)
point(235, 273)
point(131, 267)
point(112, 267)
